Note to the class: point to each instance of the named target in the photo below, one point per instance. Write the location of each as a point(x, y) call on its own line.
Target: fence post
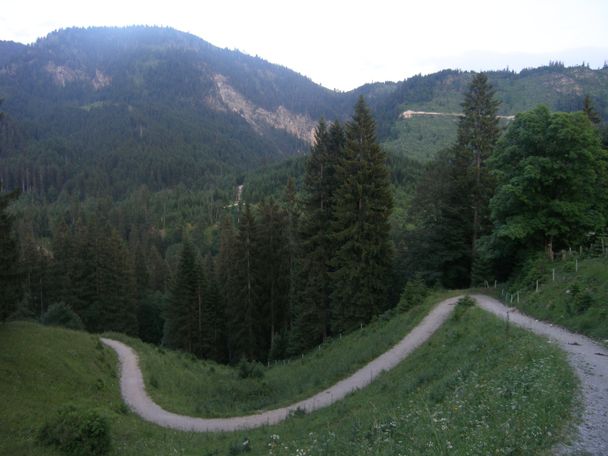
point(554, 274)
point(537, 286)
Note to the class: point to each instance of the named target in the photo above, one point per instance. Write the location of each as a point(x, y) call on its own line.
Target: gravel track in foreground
point(135, 396)
point(588, 358)
point(590, 362)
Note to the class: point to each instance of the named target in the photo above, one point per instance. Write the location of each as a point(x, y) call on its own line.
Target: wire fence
point(563, 268)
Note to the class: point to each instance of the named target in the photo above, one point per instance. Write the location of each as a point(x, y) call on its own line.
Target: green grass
point(577, 300)
point(472, 389)
point(182, 384)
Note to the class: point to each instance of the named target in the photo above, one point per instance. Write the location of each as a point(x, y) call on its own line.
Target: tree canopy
point(552, 176)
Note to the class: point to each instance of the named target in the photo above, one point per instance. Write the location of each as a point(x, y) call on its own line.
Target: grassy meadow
point(474, 388)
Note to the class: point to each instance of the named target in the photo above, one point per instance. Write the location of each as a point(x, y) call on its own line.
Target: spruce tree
point(214, 338)
point(290, 204)
point(590, 111)
point(116, 297)
point(10, 275)
point(245, 330)
point(451, 207)
point(478, 133)
point(312, 312)
point(363, 204)
point(273, 255)
point(34, 267)
point(182, 316)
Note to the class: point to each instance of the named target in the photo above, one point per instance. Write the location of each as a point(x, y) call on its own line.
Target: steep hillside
point(421, 136)
point(572, 292)
point(104, 110)
point(471, 389)
point(148, 106)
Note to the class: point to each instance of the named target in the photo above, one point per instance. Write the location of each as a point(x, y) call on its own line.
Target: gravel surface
point(589, 359)
point(135, 396)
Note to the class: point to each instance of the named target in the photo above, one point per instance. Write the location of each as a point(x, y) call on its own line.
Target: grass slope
point(577, 298)
point(473, 389)
point(182, 384)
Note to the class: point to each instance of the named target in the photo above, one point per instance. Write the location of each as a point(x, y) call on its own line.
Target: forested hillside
point(559, 88)
point(122, 150)
point(101, 111)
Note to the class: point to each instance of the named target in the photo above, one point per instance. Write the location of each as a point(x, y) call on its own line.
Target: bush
point(580, 300)
point(462, 306)
point(414, 293)
point(59, 314)
point(249, 369)
point(466, 301)
point(77, 432)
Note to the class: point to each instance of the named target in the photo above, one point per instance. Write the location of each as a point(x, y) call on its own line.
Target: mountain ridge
point(156, 106)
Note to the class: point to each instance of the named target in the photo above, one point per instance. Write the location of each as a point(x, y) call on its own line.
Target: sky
point(344, 44)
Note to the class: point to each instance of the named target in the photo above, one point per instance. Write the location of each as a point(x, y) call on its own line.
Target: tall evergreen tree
point(10, 275)
point(590, 111)
point(440, 241)
point(274, 282)
point(116, 296)
point(245, 330)
point(312, 313)
point(214, 338)
point(293, 216)
point(183, 317)
point(451, 206)
point(363, 204)
point(478, 133)
point(34, 266)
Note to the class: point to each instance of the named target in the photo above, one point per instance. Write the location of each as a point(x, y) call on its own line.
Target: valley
point(266, 266)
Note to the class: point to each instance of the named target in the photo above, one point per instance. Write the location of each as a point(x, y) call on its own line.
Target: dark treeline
point(262, 282)
point(294, 272)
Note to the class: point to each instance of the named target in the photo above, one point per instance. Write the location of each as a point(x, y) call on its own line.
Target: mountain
point(102, 111)
point(148, 105)
point(420, 134)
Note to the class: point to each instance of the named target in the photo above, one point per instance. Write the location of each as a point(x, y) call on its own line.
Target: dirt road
point(589, 359)
point(134, 394)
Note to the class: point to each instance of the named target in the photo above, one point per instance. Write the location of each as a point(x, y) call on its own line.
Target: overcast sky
point(344, 44)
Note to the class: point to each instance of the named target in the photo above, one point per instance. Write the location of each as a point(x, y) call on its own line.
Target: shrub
point(413, 294)
point(77, 432)
point(59, 314)
point(580, 300)
point(249, 369)
point(466, 301)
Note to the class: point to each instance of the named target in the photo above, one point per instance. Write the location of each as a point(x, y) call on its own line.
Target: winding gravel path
point(134, 394)
point(589, 359)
